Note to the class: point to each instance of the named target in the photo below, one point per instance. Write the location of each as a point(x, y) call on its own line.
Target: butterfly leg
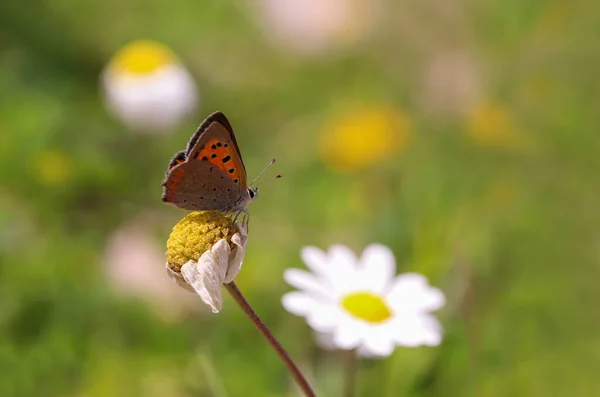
point(246, 219)
point(237, 214)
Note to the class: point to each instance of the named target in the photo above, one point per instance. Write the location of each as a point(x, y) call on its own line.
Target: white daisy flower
point(147, 88)
point(204, 252)
point(360, 304)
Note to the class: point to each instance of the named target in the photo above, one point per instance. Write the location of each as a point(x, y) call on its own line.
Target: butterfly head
point(253, 192)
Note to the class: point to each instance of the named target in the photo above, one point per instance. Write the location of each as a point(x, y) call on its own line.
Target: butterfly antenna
point(268, 180)
point(263, 171)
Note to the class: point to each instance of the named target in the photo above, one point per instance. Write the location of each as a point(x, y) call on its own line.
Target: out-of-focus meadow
point(463, 135)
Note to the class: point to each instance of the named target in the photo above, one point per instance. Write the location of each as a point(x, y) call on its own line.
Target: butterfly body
point(210, 174)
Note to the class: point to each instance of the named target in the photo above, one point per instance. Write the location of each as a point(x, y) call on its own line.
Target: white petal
point(220, 253)
point(417, 331)
point(350, 333)
point(337, 269)
point(378, 266)
point(324, 318)
point(299, 303)
point(342, 259)
point(379, 341)
point(307, 282)
point(236, 257)
point(325, 340)
point(319, 316)
point(178, 278)
point(411, 292)
point(206, 278)
point(343, 271)
point(315, 259)
point(364, 352)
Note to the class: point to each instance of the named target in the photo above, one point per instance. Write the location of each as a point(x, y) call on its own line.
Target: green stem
point(350, 369)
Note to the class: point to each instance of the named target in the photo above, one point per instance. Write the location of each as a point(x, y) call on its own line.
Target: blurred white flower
point(360, 304)
point(451, 83)
point(314, 26)
point(147, 87)
point(216, 266)
point(326, 342)
point(133, 262)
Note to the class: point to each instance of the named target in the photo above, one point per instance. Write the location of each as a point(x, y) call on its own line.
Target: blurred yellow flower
point(364, 137)
point(142, 57)
point(54, 167)
point(490, 124)
point(147, 87)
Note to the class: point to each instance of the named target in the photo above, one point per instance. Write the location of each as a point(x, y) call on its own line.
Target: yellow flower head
point(195, 234)
point(364, 137)
point(205, 251)
point(142, 57)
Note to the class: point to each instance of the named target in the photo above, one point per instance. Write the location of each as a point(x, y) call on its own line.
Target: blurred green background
point(464, 135)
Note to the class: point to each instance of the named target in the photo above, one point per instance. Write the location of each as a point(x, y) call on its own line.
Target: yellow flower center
point(367, 306)
point(142, 57)
point(364, 137)
point(195, 234)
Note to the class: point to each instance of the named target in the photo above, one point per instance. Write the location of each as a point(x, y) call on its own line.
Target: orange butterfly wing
point(216, 144)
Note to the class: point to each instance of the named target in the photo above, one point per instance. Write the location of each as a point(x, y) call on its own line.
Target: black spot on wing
point(220, 118)
point(215, 117)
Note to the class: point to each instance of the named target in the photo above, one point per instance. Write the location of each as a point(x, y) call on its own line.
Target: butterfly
point(210, 173)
